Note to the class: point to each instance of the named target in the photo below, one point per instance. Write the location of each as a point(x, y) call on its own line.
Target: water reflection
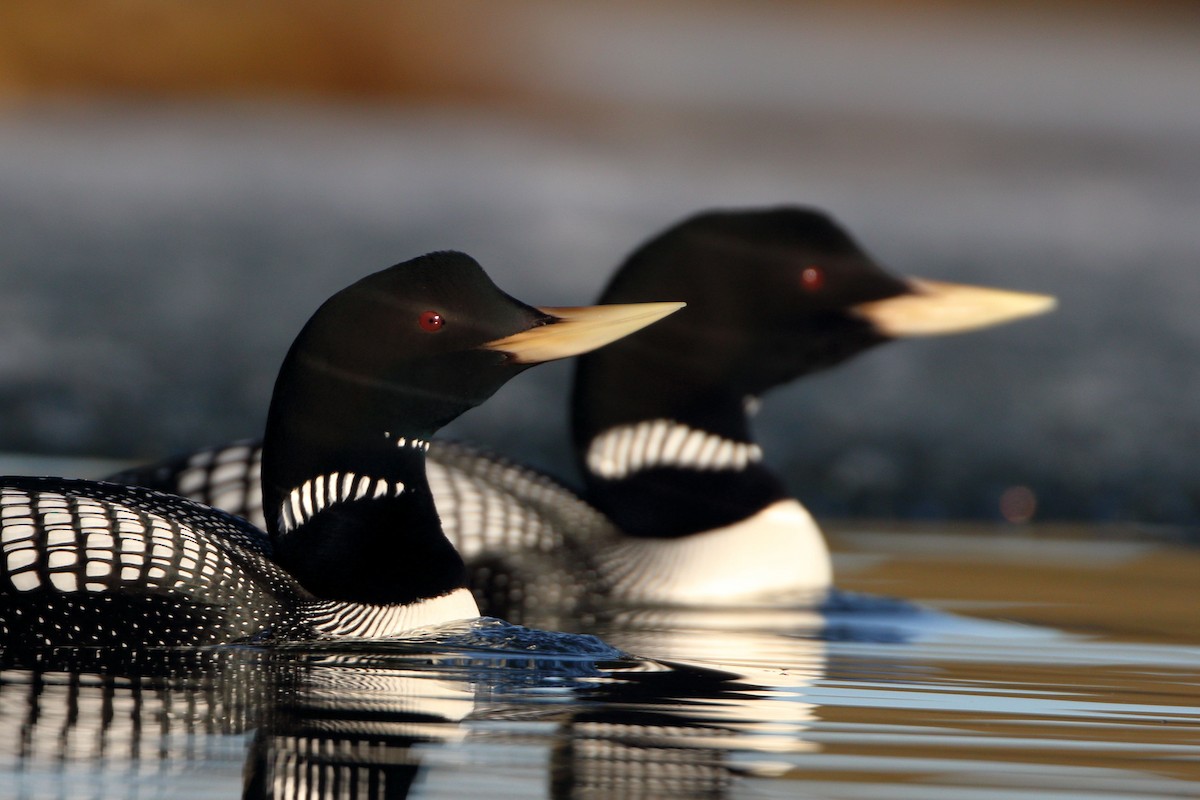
point(344, 725)
point(724, 697)
point(862, 698)
point(378, 720)
point(102, 724)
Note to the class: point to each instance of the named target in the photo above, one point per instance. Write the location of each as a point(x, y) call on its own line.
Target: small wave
point(488, 635)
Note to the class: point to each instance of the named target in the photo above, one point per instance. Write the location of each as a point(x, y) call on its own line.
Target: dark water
point(1041, 664)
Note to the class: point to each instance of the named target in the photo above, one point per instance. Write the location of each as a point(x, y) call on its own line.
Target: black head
point(770, 296)
point(775, 294)
point(403, 349)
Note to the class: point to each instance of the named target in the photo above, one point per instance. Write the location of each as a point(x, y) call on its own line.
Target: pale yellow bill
point(579, 329)
point(935, 308)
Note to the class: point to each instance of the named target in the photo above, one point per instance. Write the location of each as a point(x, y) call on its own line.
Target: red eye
point(812, 279)
point(431, 321)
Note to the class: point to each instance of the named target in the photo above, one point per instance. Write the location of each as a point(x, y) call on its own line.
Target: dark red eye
point(812, 279)
point(431, 321)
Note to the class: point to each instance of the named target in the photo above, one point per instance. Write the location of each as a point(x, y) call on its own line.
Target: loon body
point(678, 506)
point(352, 544)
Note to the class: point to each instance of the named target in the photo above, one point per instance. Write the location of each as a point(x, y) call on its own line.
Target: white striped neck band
point(624, 450)
point(323, 491)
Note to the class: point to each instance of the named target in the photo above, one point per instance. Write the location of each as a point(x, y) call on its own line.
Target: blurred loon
point(355, 545)
point(678, 507)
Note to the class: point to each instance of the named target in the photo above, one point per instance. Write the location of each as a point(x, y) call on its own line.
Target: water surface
point(1034, 663)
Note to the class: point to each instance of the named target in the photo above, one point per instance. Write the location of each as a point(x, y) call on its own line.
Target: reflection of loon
point(356, 547)
point(683, 510)
point(332, 721)
point(87, 722)
point(350, 725)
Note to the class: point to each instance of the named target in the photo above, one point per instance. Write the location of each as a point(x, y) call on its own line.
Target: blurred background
point(181, 184)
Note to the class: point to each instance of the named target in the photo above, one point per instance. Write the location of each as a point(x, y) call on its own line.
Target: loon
point(661, 425)
point(355, 547)
point(679, 508)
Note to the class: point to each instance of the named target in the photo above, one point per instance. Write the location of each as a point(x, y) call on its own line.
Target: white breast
point(776, 556)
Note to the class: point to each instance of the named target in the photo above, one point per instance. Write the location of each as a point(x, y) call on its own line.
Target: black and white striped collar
point(314, 495)
point(623, 450)
point(317, 494)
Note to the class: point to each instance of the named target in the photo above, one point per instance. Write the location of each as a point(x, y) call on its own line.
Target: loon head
point(660, 423)
point(778, 293)
point(373, 374)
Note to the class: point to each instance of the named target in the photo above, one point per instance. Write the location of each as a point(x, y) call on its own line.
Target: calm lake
point(157, 256)
point(1030, 663)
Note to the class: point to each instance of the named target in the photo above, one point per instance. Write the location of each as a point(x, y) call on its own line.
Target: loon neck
point(361, 526)
point(664, 460)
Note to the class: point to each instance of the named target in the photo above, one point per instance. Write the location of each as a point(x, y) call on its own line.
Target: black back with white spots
point(526, 539)
point(89, 563)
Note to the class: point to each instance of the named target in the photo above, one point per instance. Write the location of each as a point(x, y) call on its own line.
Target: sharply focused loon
point(678, 507)
point(355, 545)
